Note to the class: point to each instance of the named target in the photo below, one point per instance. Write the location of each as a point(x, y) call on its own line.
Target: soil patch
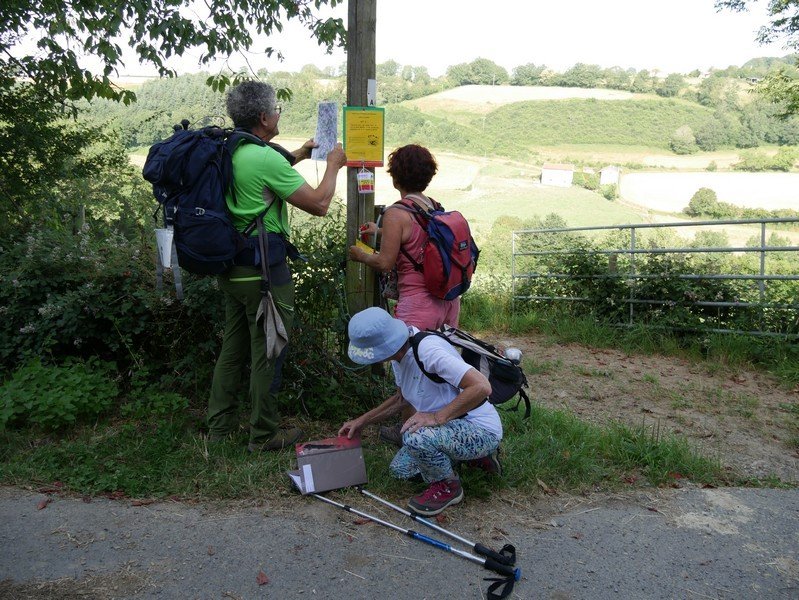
point(746, 418)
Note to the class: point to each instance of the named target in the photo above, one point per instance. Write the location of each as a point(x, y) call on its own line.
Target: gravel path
point(687, 543)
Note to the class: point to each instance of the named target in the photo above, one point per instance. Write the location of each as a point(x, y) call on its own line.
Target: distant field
point(482, 99)
point(671, 192)
point(484, 189)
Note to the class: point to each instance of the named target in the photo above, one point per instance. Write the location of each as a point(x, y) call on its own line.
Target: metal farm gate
point(682, 275)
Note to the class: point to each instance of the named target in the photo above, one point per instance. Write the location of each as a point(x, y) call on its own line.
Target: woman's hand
point(352, 428)
point(357, 254)
point(419, 420)
point(368, 228)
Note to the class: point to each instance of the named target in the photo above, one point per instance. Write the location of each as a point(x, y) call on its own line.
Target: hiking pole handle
point(500, 557)
point(502, 569)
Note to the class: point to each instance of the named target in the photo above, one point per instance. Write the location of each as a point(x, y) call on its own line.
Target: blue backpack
point(191, 171)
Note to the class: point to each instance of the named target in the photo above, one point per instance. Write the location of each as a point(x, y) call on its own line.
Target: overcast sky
point(668, 35)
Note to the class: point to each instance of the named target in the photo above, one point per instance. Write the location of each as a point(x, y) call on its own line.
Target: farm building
point(609, 175)
point(557, 174)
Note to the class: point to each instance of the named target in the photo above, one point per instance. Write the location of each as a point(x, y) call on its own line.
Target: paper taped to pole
point(326, 130)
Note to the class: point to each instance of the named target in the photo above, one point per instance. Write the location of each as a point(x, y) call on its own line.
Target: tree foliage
point(65, 33)
point(480, 71)
point(671, 86)
point(784, 16)
point(582, 75)
point(780, 87)
point(529, 74)
point(683, 141)
point(703, 202)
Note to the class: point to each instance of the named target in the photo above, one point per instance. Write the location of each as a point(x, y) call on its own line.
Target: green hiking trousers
point(245, 338)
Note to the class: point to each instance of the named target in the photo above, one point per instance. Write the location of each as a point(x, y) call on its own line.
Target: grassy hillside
point(575, 121)
point(515, 128)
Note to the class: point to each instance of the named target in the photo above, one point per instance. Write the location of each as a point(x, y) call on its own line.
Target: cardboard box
point(329, 464)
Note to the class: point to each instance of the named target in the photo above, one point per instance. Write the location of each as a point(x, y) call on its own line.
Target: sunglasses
point(278, 109)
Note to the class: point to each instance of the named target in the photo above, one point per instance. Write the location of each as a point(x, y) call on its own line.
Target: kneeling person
point(453, 421)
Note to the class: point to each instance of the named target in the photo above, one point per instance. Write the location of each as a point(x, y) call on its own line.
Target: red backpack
point(450, 254)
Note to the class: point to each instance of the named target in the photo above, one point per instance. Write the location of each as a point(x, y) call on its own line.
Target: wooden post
point(362, 18)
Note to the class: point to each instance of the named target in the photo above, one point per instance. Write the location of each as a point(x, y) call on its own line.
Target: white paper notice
point(326, 130)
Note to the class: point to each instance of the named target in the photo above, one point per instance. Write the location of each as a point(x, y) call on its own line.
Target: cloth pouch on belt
point(278, 266)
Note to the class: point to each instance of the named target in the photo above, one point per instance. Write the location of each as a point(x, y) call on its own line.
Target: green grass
point(578, 121)
point(163, 458)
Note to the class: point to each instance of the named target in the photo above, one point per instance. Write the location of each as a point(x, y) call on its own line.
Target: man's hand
point(305, 149)
point(336, 157)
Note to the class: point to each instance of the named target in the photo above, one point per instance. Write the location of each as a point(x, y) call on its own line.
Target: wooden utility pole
point(362, 19)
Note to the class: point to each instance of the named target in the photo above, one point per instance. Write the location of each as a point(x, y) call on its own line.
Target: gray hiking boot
point(391, 434)
point(284, 438)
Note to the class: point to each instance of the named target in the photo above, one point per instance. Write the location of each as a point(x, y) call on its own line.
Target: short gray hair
point(248, 100)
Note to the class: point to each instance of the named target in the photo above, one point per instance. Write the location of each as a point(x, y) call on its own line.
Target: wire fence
point(680, 276)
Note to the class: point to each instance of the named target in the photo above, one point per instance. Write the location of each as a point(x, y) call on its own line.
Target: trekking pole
point(504, 584)
point(506, 556)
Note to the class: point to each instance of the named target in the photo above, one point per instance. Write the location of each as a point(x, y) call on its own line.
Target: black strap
point(416, 266)
point(263, 244)
point(522, 395)
point(415, 340)
point(506, 556)
point(501, 588)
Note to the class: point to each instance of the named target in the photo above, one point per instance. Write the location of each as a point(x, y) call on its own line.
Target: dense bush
point(703, 202)
point(53, 397)
point(683, 141)
point(758, 160)
point(65, 295)
point(589, 181)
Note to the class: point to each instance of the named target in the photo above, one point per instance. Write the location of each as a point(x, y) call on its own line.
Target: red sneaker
point(437, 497)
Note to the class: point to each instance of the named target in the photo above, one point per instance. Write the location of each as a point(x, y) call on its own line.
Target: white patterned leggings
point(432, 451)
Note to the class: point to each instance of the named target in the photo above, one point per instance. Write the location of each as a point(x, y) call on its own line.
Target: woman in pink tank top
point(411, 168)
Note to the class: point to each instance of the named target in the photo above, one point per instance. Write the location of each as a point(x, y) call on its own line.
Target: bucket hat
point(375, 336)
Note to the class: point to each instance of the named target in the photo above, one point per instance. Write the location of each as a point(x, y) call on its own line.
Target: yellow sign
point(365, 247)
point(364, 135)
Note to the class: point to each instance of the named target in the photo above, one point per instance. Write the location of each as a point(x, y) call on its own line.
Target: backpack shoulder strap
point(421, 219)
point(238, 136)
point(415, 341)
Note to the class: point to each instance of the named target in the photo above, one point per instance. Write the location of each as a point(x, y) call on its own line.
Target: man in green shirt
point(263, 178)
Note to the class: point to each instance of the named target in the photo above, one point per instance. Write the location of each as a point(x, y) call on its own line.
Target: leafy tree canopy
point(784, 19)
point(782, 87)
point(47, 42)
